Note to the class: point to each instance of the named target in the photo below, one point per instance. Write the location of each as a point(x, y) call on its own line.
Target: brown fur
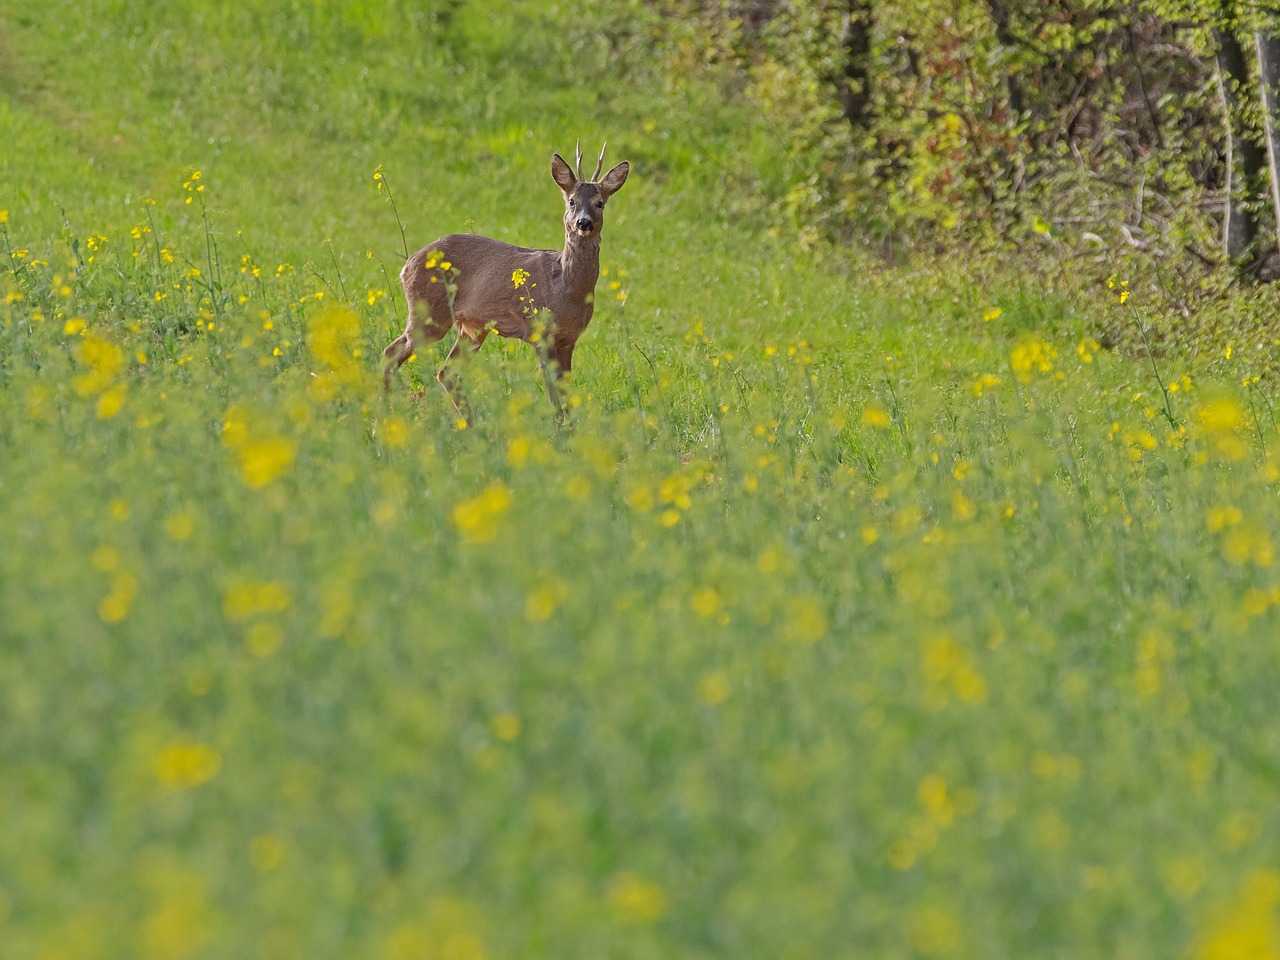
point(486, 297)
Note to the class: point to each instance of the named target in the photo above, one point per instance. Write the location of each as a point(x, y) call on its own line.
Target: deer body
point(502, 288)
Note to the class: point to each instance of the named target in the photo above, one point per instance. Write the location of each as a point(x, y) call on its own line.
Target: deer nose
point(584, 224)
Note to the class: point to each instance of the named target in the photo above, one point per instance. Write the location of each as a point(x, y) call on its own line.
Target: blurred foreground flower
point(1248, 928)
point(1220, 421)
point(262, 454)
point(875, 416)
point(1031, 356)
point(103, 362)
point(636, 900)
point(333, 341)
point(187, 764)
point(477, 518)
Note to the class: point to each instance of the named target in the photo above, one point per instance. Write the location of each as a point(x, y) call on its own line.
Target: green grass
point(805, 640)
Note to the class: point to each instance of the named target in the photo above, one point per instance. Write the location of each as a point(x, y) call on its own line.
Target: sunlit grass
point(848, 614)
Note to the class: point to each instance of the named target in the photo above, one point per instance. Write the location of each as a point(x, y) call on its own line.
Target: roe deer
point(502, 287)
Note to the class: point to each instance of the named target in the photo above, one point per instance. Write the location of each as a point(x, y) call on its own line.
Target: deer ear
point(612, 181)
point(562, 173)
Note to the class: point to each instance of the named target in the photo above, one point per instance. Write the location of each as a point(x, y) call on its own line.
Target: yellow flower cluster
point(1220, 422)
point(938, 807)
point(263, 454)
point(1030, 356)
point(103, 361)
point(186, 764)
point(333, 340)
point(544, 599)
point(876, 416)
point(636, 900)
point(193, 186)
point(245, 599)
point(477, 517)
point(1247, 927)
point(949, 670)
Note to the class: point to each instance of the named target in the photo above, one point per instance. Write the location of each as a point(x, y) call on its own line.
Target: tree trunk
point(1000, 17)
point(855, 80)
point(1268, 44)
point(1246, 160)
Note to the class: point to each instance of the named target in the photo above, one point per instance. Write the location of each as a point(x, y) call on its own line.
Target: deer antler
point(600, 162)
point(577, 162)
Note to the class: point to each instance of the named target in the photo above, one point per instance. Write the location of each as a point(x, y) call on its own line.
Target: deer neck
point(580, 266)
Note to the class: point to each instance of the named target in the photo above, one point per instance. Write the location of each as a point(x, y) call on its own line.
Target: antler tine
point(577, 162)
point(600, 162)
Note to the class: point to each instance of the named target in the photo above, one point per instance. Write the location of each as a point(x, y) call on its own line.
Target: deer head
point(584, 199)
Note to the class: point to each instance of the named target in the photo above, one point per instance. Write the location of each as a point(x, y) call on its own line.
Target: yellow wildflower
point(265, 459)
point(103, 360)
point(333, 341)
point(1221, 420)
point(506, 726)
point(1220, 415)
point(636, 900)
point(266, 852)
point(262, 454)
point(806, 620)
point(1248, 928)
point(543, 601)
point(395, 432)
point(247, 598)
point(875, 416)
point(187, 764)
point(705, 602)
point(1219, 518)
point(1031, 356)
point(180, 525)
point(116, 604)
point(263, 639)
point(640, 499)
point(713, 688)
point(477, 518)
point(109, 402)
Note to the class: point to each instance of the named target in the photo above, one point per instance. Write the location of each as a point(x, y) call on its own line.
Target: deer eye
point(599, 204)
point(572, 202)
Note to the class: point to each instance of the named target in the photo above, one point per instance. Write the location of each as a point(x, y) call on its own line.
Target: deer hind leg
point(448, 381)
point(397, 352)
point(434, 308)
point(403, 347)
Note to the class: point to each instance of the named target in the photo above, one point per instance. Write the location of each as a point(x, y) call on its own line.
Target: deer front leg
point(555, 359)
point(563, 353)
point(553, 393)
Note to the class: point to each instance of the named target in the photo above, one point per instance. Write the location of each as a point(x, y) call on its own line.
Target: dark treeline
point(1101, 129)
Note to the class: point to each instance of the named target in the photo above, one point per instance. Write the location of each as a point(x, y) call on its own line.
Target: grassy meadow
point(856, 612)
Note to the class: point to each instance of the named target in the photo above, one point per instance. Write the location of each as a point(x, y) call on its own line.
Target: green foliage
point(859, 611)
point(1081, 132)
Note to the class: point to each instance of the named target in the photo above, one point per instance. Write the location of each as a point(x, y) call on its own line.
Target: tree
point(1268, 46)
point(1245, 159)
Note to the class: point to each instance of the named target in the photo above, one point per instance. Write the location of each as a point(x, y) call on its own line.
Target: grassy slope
point(979, 682)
